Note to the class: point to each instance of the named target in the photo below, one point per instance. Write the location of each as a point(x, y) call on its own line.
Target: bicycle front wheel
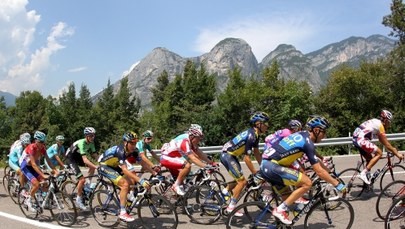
point(30, 213)
point(69, 191)
point(322, 216)
point(396, 215)
point(388, 195)
point(396, 173)
point(62, 209)
point(155, 211)
point(105, 208)
point(255, 214)
point(354, 185)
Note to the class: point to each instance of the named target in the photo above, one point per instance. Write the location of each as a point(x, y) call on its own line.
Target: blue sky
point(47, 44)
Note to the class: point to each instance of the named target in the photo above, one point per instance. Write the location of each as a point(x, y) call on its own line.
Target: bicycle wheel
point(321, 216)
point(395, 217)
point(155, 211)
point(203, 203)
point(22, 202)
point(354, 185)
point(398, 172)
point(12, 188)
point(69, 191)
point(388, 195)
point(61, 210)
point(105, 208)
point(6, 177)
point(256, 214)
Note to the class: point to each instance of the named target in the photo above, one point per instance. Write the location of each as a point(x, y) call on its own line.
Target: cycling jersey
point(15, 153)
point(115, 156)
point(34, 149)
point(52, 151)
point(243, 143)
point(275, 137)
point(178, 147)
point(290, 148)
point(143, 147)
point(81, 147)
point(369, 129)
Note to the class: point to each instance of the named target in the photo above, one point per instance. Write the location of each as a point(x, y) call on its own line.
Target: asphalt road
point(11, 216)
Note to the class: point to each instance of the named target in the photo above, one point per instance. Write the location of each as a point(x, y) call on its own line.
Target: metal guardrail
point(325, 142)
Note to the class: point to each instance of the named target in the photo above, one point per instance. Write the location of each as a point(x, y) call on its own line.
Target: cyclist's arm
point(202, 156)
point(88, 162)
point(146, 160)
point(383, 139)
point(61, 164)
point(129, 174)
point(324, 175)
point(193, 159)
point(147, 166)
point(249, 164)
point(55, 172)
point(258, 155)
point(154, 155)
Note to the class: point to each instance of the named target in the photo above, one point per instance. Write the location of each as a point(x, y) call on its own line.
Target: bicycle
point(8, 172)
point(319, 214)
point(154, 211)
point(388, 195)
point(356, 187)
point(52, 200)
point(395, 217)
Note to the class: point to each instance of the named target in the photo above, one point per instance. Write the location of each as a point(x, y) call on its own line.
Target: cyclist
point(76, 156)
point(276, 161)
point(362, 140)
point(144, 147)
point(180, 152)
point(55, 150)
point(243, 144)
point(29, 162)
point(113, 167)
point(16, 151)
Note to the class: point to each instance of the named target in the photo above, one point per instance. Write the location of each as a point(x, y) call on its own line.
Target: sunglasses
point(149, 138)
point(132, 143)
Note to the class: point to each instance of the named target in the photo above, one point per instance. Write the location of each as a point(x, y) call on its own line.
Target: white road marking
point(30, 221)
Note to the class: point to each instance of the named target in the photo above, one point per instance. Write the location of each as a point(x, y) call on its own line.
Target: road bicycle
point(154, 211)
point(388, 195)
point(356, 187)
point(395, 217)
point(62, 209)
point(318, 212)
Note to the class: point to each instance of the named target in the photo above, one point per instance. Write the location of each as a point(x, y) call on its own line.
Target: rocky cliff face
point(313, 67)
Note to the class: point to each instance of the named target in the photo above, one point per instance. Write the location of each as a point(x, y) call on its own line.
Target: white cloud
point(262, 33)
point(126, 73)
point(79, 69)
point(20, 68)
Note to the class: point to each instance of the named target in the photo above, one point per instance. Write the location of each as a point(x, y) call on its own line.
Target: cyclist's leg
point(175, 165)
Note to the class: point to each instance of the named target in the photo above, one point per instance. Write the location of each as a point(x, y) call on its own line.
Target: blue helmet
point(294, 124)
point(130, 137)
point(259, 117)
point(38, 135)
point(318, 121)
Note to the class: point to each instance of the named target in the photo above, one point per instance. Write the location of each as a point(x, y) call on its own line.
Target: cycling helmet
point(60, 138)
point(25, 135)
point(89, 130)
point(294, 124)
point(385, 114)
point(148, 134)
point(259, 117)
point(195, 130)
point(318, 121)
point(38, 135)
point(130, 137)
point(25, 141)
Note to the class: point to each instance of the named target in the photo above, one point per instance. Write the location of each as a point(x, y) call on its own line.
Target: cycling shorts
point(173, 164)
point(75, 160)
point(29, 172)
point(366, 147)
point(113, 174)
point(279, 175)
point(232, 165)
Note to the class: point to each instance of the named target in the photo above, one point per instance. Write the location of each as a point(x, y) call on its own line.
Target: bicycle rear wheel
point(105, 208)
point(322, 216)
point(155, 211)
point(398, 172)
point(61, 209)
point(13, 188)
point(395, 217)
point(354, 187)
point(256, 214)
point(69, 191)
point(387, 196)
point(23, 203)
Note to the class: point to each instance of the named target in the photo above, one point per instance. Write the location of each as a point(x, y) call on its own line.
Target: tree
point(5, 120)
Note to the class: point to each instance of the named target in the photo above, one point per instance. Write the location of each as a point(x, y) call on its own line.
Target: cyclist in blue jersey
point(244, 144)
point(16, 151)
point(276, 161)
point(55, 151)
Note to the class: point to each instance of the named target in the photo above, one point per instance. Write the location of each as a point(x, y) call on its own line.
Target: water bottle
point(92, 186)
point(87, 188)
point(130, 198)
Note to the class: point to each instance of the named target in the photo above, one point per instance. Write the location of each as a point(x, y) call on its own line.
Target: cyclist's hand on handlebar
point(341, 187)
point(144, 183)
point(214, 164)
point(156, 168)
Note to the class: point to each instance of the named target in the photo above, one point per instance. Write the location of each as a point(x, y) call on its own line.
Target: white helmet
point(195, 130)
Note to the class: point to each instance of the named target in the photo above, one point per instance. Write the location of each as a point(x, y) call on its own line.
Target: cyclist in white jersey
point(362, 136)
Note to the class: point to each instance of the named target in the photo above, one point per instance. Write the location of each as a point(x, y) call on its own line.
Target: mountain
point(9, 98)
point(313, 67)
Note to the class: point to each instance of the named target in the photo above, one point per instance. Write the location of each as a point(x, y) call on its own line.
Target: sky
point(47, 44)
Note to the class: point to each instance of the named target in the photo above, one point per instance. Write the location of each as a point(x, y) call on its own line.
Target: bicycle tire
point(12, 188)
point(395, 215)
point(105, 208)
point(255, 214)
point(203, 204)
point(69, 191)
point(155, 211)
point(387, 196)
point(398, 174)
point(342, 216)
point(23, 206)
point(60, 209)
point(354, 188)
